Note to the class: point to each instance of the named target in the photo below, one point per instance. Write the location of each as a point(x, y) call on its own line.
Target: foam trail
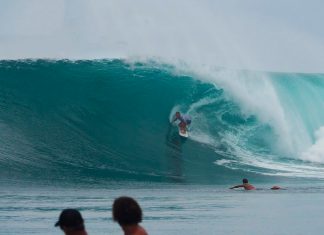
point(201, 122)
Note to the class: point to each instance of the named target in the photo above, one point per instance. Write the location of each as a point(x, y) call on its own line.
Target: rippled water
point(168, 209)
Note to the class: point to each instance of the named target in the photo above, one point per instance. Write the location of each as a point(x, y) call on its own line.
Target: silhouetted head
point(70, 219)
point(177, 114)
point(245, 181)
point(126, 211)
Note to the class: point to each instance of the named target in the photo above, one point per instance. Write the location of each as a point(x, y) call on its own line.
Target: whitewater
point(88, 91)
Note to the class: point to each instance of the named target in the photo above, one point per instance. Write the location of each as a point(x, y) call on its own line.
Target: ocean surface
point(81, 133)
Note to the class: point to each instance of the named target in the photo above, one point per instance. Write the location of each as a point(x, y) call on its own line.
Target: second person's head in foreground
point(128, 214)
point(126, 211)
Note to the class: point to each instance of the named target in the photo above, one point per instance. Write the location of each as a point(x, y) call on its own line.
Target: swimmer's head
point(245, 181)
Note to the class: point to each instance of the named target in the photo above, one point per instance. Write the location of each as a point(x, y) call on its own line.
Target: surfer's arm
point(237, 186)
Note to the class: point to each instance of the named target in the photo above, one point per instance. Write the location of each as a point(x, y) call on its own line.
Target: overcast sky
point(276, 35)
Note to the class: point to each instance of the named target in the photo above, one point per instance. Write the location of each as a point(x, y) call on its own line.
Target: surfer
point(184, 119)
point(245, 185)
point(275, 187)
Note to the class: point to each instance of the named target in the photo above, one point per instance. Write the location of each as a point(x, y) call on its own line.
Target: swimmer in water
point(245, 185)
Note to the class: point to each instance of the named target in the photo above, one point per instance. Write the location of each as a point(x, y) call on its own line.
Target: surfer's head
point(126, 211)
point(177, 114)
point(245, 181)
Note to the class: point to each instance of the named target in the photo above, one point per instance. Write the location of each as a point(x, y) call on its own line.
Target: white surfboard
point(184, 134)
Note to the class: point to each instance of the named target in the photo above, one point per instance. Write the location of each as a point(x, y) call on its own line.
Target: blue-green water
point(79, 133)
point(168, 209)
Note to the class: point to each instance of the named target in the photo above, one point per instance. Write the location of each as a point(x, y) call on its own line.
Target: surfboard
point(184, 134)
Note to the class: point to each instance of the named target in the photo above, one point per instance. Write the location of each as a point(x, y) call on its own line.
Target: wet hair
point(126, 211)
point(245, 181)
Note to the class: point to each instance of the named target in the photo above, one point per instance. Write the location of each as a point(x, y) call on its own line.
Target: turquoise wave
point(109, 120)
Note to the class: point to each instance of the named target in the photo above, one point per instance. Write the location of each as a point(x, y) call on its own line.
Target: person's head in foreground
point(245, 181)
point(177, 114)
point(71, 222)
point(128, 214)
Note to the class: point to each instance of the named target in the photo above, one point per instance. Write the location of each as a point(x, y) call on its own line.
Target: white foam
point(316, 152)
point(256, 95)
point(266, 164)
point(222, 162)
point(204, 138)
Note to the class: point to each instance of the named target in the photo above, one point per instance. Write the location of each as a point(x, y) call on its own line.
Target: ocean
point(81, 133)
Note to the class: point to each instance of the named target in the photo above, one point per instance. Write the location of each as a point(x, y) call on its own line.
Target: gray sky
point(277, 35)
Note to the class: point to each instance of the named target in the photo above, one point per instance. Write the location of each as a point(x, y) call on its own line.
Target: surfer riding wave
point(185, 121)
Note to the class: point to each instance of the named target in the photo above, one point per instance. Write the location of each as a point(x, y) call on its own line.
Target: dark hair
point(126, 211)
point(72, 219)
point(245, 181)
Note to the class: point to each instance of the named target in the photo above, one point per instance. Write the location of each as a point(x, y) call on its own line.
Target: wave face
point(109, 120)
